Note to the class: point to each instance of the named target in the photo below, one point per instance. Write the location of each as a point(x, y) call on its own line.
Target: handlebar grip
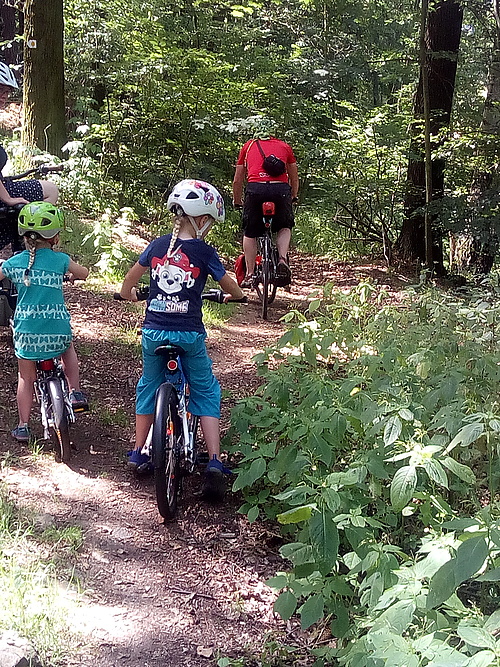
point(141, 292)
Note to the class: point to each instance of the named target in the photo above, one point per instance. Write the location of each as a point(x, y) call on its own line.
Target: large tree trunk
point(476, 248)
point(44, 109)
point(442, 39)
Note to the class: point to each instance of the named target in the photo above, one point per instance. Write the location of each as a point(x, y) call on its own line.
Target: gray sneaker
point(21, 433)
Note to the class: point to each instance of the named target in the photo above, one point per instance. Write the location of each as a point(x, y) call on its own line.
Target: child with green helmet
point(41, 320)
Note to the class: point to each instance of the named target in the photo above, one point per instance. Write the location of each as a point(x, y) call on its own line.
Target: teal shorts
point(204, 388)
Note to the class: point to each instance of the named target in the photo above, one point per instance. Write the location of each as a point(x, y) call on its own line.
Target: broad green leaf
point(392, 430)
point(249, 477)
point(311, 611)
point(463, 472)
point(402, 486)
point(397, 617)
point(285, 605)
point(277, 582)
point(324, 537)
point(442, 585)
point(492, 623)
point(466, 436)
point(340, 625)
point(253, 513)
point(296, 515)
point(297, 552)
point(491, 575)
point(471, 556)
point(475, 636)
point(436, 472)
point(482, 659)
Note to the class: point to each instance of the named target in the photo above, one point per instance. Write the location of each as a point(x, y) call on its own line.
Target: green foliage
point(372, 441)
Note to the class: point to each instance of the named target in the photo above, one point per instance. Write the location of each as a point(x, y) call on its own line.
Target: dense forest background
point(373, 442)
point(158, 91)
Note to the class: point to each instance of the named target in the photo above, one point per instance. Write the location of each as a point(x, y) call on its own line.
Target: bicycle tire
point(268, 288)
point(165, 449)
point(59, 422)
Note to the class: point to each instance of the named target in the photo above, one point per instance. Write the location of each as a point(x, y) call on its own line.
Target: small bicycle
point(51, 393)
point(171, 442)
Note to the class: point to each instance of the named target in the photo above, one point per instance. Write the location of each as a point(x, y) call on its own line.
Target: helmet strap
point(201, 232)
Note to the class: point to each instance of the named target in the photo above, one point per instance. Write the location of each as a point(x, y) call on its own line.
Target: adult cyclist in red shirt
point(261, 187)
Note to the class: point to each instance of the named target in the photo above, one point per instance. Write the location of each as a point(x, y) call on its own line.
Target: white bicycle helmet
point(196, 197)
point(7, 77)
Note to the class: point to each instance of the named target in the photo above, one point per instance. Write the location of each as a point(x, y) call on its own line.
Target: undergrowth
point(33, 600)
point(374, 442)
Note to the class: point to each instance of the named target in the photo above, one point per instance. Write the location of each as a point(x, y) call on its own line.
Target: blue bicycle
point(172, 439)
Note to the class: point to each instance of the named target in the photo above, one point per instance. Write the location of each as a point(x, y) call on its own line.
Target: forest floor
point(155, 594)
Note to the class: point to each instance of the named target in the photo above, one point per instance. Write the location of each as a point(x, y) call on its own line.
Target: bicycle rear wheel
point(59, 421)
point(266, 289)
point(167, 432)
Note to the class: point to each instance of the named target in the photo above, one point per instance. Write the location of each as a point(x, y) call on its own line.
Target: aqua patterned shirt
point(41, 320)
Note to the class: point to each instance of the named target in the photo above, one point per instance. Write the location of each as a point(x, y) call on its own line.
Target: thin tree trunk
point(44, 108)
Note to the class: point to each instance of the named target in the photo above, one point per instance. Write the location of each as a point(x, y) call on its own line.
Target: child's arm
point(229, 285)
point(77, 271)
point(131, 279)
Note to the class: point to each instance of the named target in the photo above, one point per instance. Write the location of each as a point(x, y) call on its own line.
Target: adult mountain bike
point(172, 439)
point(266, 280)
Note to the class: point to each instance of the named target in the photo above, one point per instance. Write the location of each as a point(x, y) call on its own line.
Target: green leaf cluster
point(371, 441)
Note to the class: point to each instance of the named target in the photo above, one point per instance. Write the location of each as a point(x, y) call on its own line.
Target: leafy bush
point(374, 443)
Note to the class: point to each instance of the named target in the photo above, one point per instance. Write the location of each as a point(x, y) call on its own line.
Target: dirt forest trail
point(153, 594)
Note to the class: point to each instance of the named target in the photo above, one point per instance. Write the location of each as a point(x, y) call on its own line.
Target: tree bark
point(475, 249)
point(442, 41)
point(44, 108)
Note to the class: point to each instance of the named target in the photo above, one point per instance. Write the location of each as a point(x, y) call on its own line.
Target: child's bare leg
point(142, 425)
point(211, 435)
point(71, 368)
point(26, 381)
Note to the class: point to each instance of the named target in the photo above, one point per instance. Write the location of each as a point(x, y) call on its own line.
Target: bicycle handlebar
point(42, 169)
point(216, 295)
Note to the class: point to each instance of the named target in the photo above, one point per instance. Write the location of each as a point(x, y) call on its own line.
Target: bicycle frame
point(176, 378)
point(266, 261)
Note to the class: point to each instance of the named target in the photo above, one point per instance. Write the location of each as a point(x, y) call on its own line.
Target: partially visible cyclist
point(179, 265)
point(41, 320)
point(18, 191)
point(269, 168)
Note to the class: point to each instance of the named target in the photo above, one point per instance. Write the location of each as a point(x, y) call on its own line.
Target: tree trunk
point(476, 248)
point(442, 40)
point(44, 109)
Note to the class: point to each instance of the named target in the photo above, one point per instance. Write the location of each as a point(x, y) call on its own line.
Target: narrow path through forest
point(153, 594)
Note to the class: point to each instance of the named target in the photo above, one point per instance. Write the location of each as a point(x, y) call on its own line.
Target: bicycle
point(51, 393)
point(10, 214)
point(172, 439)
point(265, 278)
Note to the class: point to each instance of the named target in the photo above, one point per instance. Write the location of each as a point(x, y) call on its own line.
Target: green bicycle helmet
point(41, 217)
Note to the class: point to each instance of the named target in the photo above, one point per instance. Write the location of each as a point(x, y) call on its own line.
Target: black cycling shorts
point(258, 193)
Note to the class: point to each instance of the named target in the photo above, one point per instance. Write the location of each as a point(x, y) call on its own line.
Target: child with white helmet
point(179, 265)
point(41, 320)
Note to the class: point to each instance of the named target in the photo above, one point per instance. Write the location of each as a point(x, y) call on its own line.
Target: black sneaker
point(215, 480)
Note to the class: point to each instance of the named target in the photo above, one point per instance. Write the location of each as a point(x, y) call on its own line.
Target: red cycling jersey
point(251, 157)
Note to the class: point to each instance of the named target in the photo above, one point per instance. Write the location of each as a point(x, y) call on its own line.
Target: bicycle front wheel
point(167, 433)
point(58, 420)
